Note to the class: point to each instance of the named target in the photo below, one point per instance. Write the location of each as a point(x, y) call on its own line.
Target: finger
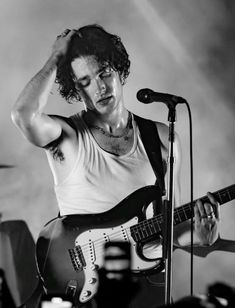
point(64, 33)
point(70, 33)
point(201, 209)
point(208, 208)
point(211, 198)
point(215, 204)
point(197, 214)
point(210, 215)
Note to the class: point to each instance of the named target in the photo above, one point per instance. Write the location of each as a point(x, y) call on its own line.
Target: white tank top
point(100, 180)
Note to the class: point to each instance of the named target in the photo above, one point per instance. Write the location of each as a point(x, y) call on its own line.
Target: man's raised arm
point(27, 112)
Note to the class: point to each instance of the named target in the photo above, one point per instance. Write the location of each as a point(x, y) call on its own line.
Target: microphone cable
point(191, 195)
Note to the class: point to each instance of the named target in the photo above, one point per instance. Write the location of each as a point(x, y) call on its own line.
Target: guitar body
point(69, 249)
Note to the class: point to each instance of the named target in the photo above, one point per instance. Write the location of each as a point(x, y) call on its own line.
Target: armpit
point(54, 148)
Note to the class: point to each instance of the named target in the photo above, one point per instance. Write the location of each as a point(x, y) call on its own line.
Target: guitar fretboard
point(152, 226)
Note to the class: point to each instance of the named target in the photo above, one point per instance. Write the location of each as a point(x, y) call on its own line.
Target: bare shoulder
point(66, 123)
point(64, 146)
point(163, 131)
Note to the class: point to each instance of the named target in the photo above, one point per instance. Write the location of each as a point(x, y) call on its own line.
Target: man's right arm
point(27, 113)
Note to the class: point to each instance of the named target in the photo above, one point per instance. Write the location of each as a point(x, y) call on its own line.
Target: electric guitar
point(69, 250)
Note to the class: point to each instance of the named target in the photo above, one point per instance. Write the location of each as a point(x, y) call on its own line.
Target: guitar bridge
point(77, 258)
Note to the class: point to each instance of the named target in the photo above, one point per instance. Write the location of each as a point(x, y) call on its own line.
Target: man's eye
point(84, 82)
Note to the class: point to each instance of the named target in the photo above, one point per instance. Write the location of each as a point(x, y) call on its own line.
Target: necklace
point(123, 135)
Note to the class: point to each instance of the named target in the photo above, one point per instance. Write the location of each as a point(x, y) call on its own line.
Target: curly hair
point(91, 40)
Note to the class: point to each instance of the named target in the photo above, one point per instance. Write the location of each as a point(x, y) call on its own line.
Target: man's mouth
point(104, 100)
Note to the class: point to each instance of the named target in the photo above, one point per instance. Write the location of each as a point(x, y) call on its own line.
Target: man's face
point(99, 85)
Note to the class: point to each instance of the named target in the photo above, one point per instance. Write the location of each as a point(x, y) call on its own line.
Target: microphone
point(148, 96)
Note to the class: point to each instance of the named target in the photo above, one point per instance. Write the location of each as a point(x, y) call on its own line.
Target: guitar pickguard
point(91, 244)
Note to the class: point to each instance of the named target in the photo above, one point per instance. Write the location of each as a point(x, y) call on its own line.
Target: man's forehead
point(87, 65)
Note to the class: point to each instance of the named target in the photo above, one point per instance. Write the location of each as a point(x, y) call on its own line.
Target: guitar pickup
point(77, 258)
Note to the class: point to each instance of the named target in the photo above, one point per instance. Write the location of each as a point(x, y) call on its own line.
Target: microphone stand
point(168, 203)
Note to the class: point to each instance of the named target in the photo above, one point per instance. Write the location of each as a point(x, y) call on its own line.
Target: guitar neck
point(152, 226)
point(185, 212)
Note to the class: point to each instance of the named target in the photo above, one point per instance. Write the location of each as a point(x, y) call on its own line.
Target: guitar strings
point(141, 226)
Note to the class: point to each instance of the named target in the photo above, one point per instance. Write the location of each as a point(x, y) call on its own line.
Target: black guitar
point(69, 249)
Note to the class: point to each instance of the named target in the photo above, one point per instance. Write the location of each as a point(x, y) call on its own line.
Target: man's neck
point(112, 122)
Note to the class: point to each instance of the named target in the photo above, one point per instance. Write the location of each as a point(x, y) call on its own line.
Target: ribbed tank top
point(100, 180)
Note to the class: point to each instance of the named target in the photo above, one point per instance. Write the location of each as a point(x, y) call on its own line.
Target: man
point(97, 156)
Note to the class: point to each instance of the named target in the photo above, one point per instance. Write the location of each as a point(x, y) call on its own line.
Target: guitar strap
point(152, 143)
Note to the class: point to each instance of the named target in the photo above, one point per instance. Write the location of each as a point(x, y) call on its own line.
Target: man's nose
point(101, 86)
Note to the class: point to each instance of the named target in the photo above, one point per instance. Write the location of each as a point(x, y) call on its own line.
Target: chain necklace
point(123, 135)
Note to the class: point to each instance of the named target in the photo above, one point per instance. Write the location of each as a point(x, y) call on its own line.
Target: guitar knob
point(92, 280)
point(86, 293)
point(94, 267)
point(71, 288)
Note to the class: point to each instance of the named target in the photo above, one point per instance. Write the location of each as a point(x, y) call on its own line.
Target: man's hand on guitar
point(207, 220)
